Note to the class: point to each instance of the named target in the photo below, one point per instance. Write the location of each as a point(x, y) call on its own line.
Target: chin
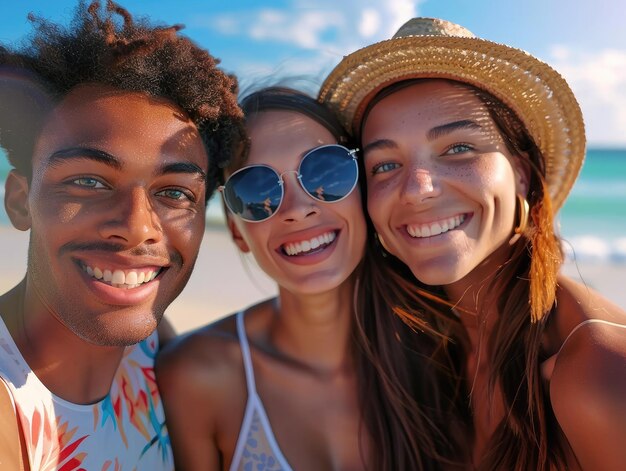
point(437, 272)
point(122, 331)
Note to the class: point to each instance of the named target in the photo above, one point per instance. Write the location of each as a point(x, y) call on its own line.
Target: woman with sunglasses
point(284, 384)
point(470, 147)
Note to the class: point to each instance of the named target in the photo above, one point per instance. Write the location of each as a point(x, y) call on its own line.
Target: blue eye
point(174, 194)
point(385, 167)
point(458, 149)
point(88, 182)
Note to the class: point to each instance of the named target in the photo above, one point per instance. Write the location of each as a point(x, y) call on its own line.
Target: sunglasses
point(327, 173)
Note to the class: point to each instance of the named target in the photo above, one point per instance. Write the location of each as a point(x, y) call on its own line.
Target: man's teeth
point(121, 279)
point(295, 248)
point(435, 228)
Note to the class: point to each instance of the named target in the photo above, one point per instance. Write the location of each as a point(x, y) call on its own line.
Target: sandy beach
point(225, 281)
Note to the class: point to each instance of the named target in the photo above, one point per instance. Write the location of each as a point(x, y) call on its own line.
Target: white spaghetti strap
point(245, 353)
point(589, 321)
point(249, 433)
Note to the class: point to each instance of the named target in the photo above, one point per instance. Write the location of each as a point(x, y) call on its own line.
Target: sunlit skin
point(440, 160)
point(301, 341)
point(119, 184)
point(434, 158)
point(280, 139)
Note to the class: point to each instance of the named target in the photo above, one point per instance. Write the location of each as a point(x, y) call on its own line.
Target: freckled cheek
point(380, 201)
point(488, 177)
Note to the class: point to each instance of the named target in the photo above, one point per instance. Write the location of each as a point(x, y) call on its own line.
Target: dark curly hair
point(111, 48)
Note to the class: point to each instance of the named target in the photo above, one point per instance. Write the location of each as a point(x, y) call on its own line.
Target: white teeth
point(120, 279)
point(295, 248)
point(131, 278)
point(436, 228)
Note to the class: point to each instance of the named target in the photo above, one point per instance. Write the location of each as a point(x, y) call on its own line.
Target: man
point(115, 130)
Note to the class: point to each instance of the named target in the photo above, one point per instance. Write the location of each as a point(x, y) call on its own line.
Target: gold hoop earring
point(523, 211)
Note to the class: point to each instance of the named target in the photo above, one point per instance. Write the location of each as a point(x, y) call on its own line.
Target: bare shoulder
point(204, 360)
point(588, 384)
point(573, 295)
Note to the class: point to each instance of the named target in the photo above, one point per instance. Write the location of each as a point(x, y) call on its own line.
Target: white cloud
point(321, 31)
point(331, 25)
point(370, 23)
point(598, 79)
point(304, 30)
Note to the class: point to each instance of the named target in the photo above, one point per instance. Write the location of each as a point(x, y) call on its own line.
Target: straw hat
point(433, 48)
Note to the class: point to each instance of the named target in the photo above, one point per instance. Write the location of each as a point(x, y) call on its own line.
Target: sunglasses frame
point(281, 182)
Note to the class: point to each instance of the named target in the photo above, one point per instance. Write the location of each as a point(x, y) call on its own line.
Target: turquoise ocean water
point(592, 221)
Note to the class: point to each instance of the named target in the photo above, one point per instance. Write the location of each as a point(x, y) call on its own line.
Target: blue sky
point(267, 41)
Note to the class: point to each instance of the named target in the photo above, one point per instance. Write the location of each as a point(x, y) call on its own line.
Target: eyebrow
point(87, 153)
point(433, 134)
point(183, 167)
point(448, 128)
point(103, 157)
point(379, 144)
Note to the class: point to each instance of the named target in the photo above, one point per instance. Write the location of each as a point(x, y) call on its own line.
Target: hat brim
point(539, 96)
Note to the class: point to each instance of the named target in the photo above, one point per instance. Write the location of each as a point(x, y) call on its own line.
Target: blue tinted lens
point(254, 193)
point(329, 173)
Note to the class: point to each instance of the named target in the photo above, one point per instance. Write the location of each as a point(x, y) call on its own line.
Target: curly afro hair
point(111, 48)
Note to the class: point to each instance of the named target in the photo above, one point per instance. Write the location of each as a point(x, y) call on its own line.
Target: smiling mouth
point(306, 247)
point(124, 279)
point(435, 228)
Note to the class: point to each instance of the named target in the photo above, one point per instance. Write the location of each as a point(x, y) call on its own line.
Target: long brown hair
point(387, 377)
point(527, 437)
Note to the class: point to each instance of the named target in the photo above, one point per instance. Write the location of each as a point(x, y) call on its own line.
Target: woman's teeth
point(297, 248)
point(435, 228)
point(120, 279)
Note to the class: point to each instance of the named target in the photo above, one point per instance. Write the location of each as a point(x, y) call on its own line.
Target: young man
point(115, 130)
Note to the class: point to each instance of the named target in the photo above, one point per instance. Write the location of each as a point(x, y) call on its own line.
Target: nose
point(133, 221)
point(419, 185)
point(297, 205)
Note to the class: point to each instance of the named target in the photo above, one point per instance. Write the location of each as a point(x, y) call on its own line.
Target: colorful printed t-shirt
point(124, 431)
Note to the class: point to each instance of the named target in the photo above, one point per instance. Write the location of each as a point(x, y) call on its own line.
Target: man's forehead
point(94, 111)
point(121, 123)
point(94, 95)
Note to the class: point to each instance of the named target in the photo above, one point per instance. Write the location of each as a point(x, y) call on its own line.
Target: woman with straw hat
point(469, 148)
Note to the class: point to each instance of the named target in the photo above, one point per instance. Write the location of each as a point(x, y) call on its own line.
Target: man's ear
point(236, 234)
point(16, 200)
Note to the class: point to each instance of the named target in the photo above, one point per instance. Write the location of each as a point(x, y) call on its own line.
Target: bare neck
point(70, 367)
point(315, 329)
point(475, 299)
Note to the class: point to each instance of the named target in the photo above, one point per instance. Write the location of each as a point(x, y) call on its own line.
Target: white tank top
point(124, 431)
